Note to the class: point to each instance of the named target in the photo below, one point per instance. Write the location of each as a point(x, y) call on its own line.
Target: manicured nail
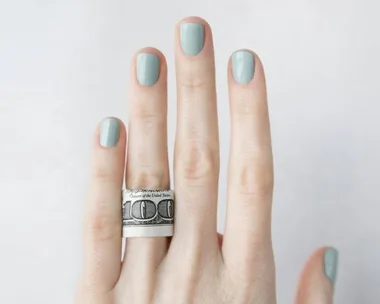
point(148, 69)
point(243, 66)
point(109, 132)
point(192, 38)
point(331, 261)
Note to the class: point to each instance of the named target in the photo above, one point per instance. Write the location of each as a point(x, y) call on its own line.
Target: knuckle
point(102, 226)
point(194, 83)
point(255, 286)
point(198, 162)
point(238, 290)
point(150, 177)
point(255, 178)
point(146, 114)
point(245, 284)
point(104, 175)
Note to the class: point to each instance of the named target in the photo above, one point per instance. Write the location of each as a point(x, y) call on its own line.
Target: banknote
point(148, 213)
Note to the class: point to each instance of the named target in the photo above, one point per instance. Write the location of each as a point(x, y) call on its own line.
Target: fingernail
point(243, 66)
point(331, 261)
point(109, 132)
point(192, 38)
point(148, 69)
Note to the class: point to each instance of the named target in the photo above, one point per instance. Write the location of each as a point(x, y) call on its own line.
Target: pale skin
point(196, 265)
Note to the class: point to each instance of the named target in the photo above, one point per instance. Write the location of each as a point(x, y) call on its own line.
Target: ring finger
point(147, 163)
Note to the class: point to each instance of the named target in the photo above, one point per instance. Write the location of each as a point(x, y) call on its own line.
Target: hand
point(195, 266)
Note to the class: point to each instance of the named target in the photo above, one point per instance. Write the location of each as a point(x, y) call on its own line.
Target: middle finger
point(196, 167)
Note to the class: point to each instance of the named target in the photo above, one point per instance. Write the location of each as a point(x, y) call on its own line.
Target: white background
point(63, 66)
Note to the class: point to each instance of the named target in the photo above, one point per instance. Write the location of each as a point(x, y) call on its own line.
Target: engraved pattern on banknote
point(148, 208)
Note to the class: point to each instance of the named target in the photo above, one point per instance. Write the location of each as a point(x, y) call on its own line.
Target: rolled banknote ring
point(148, 213)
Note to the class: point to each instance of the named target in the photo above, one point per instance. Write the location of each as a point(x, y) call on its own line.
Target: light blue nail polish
point(109, 132)
point(243, 66)
point(331, 261)
point(148, 69)
point(192, 38)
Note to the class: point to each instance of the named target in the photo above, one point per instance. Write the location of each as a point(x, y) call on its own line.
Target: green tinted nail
point(192, 38)
point(243, 66)
point(148, 69)
point(331, 260)
point(109, 132)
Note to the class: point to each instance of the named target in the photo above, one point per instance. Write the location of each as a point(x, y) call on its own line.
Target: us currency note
point(148, 213)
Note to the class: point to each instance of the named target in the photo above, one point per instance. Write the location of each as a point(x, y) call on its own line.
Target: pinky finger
point(316, 285)
point(102, 222)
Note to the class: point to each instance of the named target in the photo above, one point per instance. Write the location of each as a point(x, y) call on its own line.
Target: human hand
point(195, 265)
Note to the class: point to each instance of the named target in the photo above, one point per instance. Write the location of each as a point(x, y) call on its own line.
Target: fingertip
point(148, 68)
point(245, 68)
point(110, 132)
point(193, 38)
point(149, 50)
point(318, 277)
point(108, 153)
point(331, 263)
point(193, 20)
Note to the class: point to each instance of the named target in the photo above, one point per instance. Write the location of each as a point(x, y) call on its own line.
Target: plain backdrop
point(64, 66)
